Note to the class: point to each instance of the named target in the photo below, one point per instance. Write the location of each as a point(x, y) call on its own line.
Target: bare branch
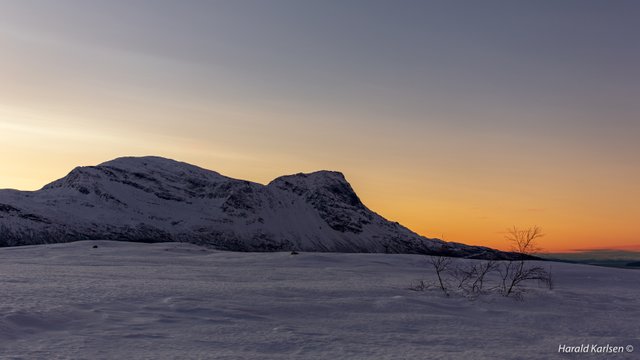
point(441, 264)
point(513, 273)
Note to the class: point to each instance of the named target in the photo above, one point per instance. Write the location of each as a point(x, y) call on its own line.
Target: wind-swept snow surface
point(181, 301)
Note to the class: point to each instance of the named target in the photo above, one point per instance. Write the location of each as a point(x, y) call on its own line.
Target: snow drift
point(181, 301)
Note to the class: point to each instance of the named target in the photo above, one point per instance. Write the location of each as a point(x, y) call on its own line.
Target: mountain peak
point(151, 163)
point(331, 184)
point(152, 198)
point(161, 176)
point(138, 160)
point(313, 179)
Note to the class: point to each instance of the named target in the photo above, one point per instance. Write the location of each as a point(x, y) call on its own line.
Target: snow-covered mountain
point(152, 199)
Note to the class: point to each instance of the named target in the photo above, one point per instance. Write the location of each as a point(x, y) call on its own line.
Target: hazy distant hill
point(152, 199)
point(601, 257)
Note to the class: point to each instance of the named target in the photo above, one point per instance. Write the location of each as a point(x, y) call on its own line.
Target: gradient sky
point(456, 118)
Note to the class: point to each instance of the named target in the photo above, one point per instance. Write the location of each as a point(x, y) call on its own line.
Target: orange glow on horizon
point(455, 129)
point(428, 214)
point(442, 206)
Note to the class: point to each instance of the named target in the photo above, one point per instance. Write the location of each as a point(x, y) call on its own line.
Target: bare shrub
point(473, 278)
point(550, 283)
point(514, 272)
point(441, 264)
point(481, 271)
point(464, 275)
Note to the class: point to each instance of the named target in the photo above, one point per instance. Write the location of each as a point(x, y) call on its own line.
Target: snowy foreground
point(180, 301)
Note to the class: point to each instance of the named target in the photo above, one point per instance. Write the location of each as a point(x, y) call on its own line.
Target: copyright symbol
point(629, 348)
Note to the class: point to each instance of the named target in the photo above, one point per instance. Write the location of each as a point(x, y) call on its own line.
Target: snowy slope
point(181, 301)
point(152, 199)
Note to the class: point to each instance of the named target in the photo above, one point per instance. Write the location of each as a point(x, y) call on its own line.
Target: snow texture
point(152, 199)
point(123, 300)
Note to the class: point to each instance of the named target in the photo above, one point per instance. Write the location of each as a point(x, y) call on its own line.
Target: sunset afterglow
point(456, 121)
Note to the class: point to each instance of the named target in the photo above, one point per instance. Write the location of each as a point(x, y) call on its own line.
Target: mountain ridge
point(152, 199)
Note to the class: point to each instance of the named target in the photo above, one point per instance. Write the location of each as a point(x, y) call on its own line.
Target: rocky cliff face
point(153, 199)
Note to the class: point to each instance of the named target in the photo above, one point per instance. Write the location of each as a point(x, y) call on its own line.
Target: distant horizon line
point(623, 248)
